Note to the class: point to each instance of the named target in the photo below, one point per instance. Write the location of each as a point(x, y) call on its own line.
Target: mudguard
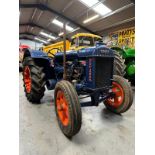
point(126, 53)
point(41, 59)
point(38, 54)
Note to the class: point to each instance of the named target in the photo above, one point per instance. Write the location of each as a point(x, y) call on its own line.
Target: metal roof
point(36, 16)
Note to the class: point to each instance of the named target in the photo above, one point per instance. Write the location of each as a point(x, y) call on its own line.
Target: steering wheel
point(50, 51)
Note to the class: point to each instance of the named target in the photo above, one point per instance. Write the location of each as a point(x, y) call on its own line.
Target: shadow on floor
point(110, 116)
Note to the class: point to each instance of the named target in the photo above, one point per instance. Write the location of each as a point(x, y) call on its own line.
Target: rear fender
point(35, 54)
point(126, 53)
point(42, 60)
point(118, 49)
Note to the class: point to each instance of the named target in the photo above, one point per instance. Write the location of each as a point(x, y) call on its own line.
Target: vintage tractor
point(128, 56)
point(86, 73)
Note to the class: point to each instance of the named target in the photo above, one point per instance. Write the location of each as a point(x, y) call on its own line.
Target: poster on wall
point(123, 38)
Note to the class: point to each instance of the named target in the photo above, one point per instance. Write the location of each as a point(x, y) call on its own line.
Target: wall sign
point(122, 38)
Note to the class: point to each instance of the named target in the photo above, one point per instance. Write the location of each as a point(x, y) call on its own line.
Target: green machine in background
point(128, 54)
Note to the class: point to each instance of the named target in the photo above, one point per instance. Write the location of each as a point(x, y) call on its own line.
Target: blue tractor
point(79, 74)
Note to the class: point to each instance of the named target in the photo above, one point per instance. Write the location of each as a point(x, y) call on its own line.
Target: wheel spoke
point(27, 79)
point(114, 89)
point(117, 100)
point(59, 107)
point(61, 96)
point(62, 107)
point(64, 115)
point(61, 115)
point(118, 93)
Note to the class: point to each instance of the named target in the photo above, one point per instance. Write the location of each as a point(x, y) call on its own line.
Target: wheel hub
point(62, 108)
point(27, 79)
point(118, 98)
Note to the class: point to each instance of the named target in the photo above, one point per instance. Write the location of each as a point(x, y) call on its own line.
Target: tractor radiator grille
point(103, 71)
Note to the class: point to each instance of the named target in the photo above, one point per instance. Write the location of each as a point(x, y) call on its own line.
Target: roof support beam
point(38, 26)
point(28, 38)
point(46, 8)
point(33, 35)
point(114, 12)
point(27, 33)
point(117, 24)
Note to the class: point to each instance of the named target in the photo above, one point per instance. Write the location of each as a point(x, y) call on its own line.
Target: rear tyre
point(20, 67)
point(123, 98)
point(34, 80)
point(119, 64)
point(68, 109)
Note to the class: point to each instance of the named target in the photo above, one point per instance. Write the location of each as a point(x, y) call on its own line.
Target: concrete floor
point(102, 132)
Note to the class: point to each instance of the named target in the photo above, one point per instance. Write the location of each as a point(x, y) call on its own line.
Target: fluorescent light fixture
point(60, 24)
point(47, 35)
point(41, 40)
point(61, 33)
point(49, 40)
point(69, 28)
point(100, 8)
point(89, 3)
point(57, 22)
point(90, 19)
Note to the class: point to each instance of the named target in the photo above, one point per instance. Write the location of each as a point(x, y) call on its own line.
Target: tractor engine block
point(75, 71)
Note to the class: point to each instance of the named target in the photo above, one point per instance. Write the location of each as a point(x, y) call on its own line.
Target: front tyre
point(34, 80)
point(123, 96)
point(68, 109)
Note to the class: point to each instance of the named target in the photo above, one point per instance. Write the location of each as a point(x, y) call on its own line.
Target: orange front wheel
point(68, 109)
point(62, 108)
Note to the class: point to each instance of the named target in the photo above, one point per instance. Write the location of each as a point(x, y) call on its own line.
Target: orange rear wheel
point(34, 80)
point(27, 79)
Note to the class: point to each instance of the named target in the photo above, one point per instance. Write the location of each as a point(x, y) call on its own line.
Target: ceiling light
point(60, 24)
point(61, 33)
point(49, 40)
point(102, 9)
point(89, 3)
point(97, 6)
point(90, 19)
point(69, 28)
point(41, 40)
point(57, 22)
point(47, 35)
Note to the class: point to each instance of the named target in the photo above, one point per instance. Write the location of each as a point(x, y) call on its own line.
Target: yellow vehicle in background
point(54, 48)
point(83, 40)
point(78, 41)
